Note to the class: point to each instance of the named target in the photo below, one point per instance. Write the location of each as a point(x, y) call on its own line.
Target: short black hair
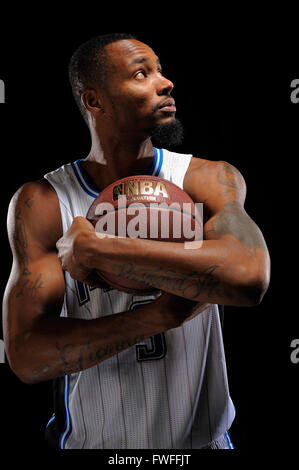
point(88, 64)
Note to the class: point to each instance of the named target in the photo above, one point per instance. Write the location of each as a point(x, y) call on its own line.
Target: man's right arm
point(41, 345)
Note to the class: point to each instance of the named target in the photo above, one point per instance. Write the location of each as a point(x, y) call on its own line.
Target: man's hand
point(69, 254)
point(178, 309)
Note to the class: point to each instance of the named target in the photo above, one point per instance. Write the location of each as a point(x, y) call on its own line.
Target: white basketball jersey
point(168, 392)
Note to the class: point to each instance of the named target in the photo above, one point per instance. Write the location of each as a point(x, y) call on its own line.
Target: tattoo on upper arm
point(229, 177)
point(233, 220)
point(21, 242)
point(21, 238)
point(29, 202)
point(226, 175)
point(30, 287)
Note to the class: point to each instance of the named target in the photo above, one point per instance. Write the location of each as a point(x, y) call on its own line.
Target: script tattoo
point(189, 285)
point(30, 287)
point(21, 241)
point(78, 358)
point(21, 237)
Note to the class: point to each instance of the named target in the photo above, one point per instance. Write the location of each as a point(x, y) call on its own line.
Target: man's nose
point(165, 86)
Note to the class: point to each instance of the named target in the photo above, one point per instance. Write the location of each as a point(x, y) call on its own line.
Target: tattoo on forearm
point(79, 358)
point(189, 285)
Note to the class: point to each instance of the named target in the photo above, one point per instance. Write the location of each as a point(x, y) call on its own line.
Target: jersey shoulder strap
point(173, 166)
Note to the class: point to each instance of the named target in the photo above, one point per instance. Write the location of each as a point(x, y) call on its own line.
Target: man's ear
point(92, 101)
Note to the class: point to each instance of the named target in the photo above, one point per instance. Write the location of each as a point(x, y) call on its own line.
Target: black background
point(232, 90)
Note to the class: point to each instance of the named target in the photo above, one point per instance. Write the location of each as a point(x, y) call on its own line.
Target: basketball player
point(130, 371)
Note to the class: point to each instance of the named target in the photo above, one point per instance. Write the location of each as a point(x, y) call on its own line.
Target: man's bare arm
point(39, 344)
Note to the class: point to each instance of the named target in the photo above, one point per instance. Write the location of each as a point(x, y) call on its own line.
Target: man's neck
point(108, 162)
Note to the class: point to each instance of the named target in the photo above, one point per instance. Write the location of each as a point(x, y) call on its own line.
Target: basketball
point(145, 207)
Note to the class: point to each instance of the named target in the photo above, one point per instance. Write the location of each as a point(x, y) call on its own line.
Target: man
point(146, 377)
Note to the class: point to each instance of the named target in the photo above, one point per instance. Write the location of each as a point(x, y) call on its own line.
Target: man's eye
point(139, 75)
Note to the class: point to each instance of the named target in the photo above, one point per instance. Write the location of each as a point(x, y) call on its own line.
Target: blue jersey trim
point(93, 192)
point(156, 168)
point(51, 420)
point(152, 170)
point(83, 179)
point(68, 420)
point(229, 442)
point(160, 163)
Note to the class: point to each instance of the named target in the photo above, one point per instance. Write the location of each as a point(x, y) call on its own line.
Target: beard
point(167, 135)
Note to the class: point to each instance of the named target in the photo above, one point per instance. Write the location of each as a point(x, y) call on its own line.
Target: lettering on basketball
point(2, 91)
point(295, 93)
point(133, 189)
point(2, 352)
point(295, 351)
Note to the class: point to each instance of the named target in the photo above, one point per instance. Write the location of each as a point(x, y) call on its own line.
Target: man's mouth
point(168, 106)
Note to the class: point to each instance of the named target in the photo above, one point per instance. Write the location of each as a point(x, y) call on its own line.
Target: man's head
point(117, 82)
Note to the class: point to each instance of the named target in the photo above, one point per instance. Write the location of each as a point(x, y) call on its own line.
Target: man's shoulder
point(198, 164)
point(219, 170)
point(40, 189)
point(205, 179)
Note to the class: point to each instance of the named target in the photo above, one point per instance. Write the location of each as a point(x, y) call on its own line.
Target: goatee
point(167, 135)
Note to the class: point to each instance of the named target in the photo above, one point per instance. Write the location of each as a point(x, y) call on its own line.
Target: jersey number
point(157, 348)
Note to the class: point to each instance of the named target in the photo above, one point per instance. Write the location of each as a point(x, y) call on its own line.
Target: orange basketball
point(146, 207)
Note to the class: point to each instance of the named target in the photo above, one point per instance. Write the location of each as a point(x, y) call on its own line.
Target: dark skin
point(232, 267)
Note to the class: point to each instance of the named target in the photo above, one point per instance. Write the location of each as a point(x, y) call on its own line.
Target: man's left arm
point(232, 266)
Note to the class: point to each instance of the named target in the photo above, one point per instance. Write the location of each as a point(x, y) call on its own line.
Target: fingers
point(107, 235)
point(82, 223)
